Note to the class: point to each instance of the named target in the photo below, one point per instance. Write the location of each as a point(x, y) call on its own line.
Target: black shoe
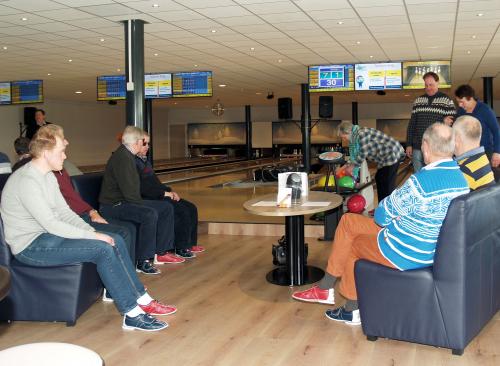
point(147, 267)
point(144, 322)
point(185, 253)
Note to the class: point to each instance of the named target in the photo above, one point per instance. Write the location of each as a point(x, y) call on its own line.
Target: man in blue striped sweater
point(404, 232)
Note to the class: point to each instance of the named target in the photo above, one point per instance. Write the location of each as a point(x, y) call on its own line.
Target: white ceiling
point(258, 45)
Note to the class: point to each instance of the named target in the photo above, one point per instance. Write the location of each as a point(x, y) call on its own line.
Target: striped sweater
point(476, 168)
point(413, 214)
point(426, 111)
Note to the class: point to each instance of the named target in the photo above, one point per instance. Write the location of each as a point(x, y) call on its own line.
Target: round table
point(296, 272)
point(49, 354)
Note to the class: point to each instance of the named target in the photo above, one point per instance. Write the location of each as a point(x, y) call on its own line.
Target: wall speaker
point(325, 106)
point(29, 116)
point(285, 110)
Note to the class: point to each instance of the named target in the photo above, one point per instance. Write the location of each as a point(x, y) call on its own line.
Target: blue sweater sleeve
point(491, 121)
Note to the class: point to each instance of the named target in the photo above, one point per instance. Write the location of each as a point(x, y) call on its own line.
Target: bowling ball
point(356, 203)
point(322, 181)
point(346, 182)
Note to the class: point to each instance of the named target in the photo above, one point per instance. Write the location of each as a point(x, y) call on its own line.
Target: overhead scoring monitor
point(324, 78)
point(111, 87)
point(192, 84)
point(27, 91)
point(158, 85)
point(414, 71)
point(378, 76)
point(5, 95)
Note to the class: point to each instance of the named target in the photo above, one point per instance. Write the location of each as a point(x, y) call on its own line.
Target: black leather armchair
point(57, 293)
point(448, 304)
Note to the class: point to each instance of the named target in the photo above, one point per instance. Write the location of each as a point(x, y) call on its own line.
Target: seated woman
point(41, 230)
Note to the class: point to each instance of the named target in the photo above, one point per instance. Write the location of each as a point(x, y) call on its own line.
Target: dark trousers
point(496, 171)
point(185, 223)
point(385, 178)
point(125, 229)
point(156, 225)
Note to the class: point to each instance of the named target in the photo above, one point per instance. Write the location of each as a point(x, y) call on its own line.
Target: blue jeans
point(417, 160)
point(113, 263)
point(156, 225)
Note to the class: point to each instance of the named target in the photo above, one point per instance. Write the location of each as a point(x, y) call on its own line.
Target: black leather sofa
point(58, 293)
point(448, 304)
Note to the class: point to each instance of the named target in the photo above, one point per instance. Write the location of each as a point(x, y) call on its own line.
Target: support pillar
point(305, 127)
point(488, 90)
point(248, 125)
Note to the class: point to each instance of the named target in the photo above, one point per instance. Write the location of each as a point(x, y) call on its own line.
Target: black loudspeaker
point(29, 116)
point(285, 110)
point(325, 106)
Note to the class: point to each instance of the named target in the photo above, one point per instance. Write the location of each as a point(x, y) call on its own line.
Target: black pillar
point(305, 127)
point(355, 120)
point(148, 117)
point(248, 124)
point(134, 69)
point(488, 90)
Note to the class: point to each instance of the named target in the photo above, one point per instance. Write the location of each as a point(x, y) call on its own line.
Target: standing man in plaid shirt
point(433, 106)
point(373, 145)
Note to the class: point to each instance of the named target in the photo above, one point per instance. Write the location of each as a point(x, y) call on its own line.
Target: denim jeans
point(113, 263)
point(126, 230)
point(417, 160)
point(156, 225)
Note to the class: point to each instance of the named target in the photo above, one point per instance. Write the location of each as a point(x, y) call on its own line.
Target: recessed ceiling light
point(102, 39)
point(280, 60)
point(473, 36)
point(258, 93)
point(118, 70)
point(156, 5)
point(49, 74)
point(371, 56)
point(195, 65)
point(155, 54)
point(468, 52)
point(213, 31)
point(222, 85)
point(24, 19)
point(78, 92)
point(4, 47)
point(407, 95)
point(479, 14)
point(70, 60)
point(252, 48)
point(358, 42)
point(340, 22)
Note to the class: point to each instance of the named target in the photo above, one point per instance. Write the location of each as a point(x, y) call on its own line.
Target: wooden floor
point(229, 315)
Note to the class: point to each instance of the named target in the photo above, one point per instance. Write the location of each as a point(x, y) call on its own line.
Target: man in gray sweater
point(42, 230)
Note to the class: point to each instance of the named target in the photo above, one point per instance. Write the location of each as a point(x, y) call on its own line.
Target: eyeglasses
point(145, 143)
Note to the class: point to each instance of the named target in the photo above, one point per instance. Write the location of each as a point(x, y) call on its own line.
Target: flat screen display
point(192, 84)
point(5, 96)
point(414, 71)
point(325, 78)
point(378, 76)
point(27, 91)
point(111, 87)
point(158, 85)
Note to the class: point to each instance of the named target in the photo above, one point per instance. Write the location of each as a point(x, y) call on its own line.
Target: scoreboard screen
point(325, 78)
point(111, 87)
point(27, 91)
point(192, 84)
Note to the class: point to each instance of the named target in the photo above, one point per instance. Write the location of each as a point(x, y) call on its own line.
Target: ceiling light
point(156, 5)
point(24, 19)
point(222, 85)
point(407, 95)
point(252, 48)
point(280, 60)
point(473, 36)
point(118, 70)
point(213, 31)
point(175, 102)
point(4, 47)
point(70, 60)
point(371, 56)
point(49, 74)
point(468, 52)
point(195, 65)
point(155, 54)
point(340, 22)
point(479, 14)
point(102, 39)
point(258, 93)
point(78, 92)
point(358, 42)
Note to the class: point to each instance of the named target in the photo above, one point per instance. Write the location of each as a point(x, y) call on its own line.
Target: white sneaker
point(106, 297)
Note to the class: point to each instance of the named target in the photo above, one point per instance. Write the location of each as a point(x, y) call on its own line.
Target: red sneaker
point(168, 258)
point(157, 308)
point(197, 249)
point(315, 294)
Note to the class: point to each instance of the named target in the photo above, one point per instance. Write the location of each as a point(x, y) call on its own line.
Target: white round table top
point(334, 200)
point(49, 354)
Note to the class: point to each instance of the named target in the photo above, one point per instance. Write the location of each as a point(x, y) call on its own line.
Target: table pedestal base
point(281, 277)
